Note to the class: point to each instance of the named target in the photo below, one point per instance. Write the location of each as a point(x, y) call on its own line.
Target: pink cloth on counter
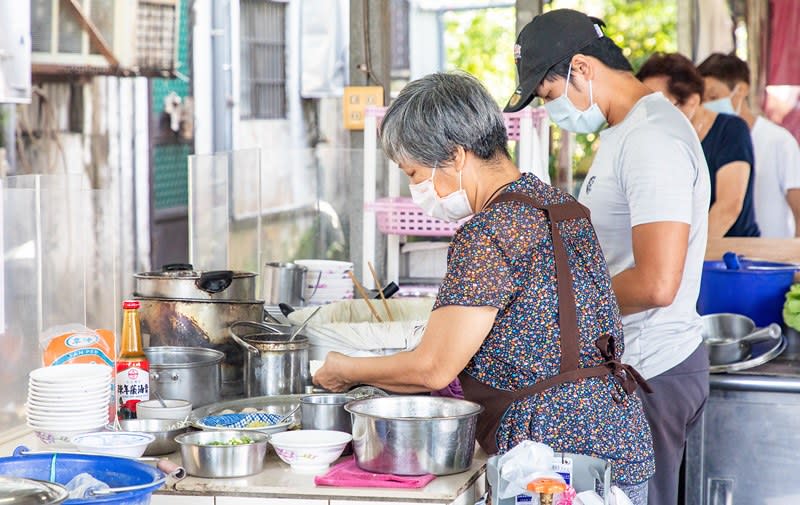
point(348, 474)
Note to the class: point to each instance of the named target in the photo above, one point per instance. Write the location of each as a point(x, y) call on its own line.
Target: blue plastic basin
point(116, 472)
point(754, 290)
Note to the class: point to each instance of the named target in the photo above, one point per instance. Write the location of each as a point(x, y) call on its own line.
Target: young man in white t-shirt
point(777, 155)
point(648, 191)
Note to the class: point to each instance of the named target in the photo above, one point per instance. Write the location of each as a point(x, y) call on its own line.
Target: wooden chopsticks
point(380, 290)
point(363, 294)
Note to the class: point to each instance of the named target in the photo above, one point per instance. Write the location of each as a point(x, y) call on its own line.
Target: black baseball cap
point(545, 41)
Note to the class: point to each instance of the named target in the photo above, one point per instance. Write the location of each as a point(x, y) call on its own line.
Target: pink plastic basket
point(401, 216)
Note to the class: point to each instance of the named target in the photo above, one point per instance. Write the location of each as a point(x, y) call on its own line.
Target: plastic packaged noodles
point(75, 343)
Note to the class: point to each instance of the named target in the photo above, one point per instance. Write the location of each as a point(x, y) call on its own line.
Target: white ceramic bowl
point(325, 266)
point(63, 374)
point(61, 425)
point(73, 399)
point(128, 444)
point(59, 439)
point(57, 408)
point(329, 283)
point(310, 451)
point(175, 409)
point(329, 291)
point(69, 389)
point(80, 418)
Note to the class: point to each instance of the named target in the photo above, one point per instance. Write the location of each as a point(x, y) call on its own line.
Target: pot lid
point(186, 271)
point(19, 491)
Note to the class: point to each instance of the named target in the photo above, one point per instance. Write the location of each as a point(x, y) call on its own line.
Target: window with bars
point(263, 59)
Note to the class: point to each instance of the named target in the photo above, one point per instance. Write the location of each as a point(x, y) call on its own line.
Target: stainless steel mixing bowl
point(165, 431)
point(414, 435)
point(212, 461)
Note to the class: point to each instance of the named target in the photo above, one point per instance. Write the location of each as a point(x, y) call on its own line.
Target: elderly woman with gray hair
point(525, 317)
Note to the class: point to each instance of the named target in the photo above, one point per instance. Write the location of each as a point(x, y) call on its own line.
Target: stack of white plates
point(327, 281)
point(66, 400)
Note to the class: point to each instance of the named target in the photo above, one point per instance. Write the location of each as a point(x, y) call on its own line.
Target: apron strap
point(567, 310)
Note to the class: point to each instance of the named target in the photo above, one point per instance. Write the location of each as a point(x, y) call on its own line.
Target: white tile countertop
point(282, 486)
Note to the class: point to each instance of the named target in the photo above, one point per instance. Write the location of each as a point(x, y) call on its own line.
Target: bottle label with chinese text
point(133, 386)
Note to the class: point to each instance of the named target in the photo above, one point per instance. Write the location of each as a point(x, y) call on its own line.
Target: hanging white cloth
point(714, 29)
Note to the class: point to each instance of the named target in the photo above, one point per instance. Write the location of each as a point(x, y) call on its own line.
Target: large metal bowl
point(219, 461)
point(414, 435)
point(165, 431)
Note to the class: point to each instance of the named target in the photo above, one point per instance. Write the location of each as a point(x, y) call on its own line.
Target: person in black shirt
point(726, 143)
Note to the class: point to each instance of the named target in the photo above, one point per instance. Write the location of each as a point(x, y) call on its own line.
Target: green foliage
point(481, 43)
point(642, 27)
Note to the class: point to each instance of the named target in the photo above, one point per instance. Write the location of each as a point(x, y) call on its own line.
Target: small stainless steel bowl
point(165, 431)
point(219, 461)
point(326, 412)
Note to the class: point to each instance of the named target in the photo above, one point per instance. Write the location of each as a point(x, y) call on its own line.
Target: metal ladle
point(290, 414)
point(302, 326)
point(160, 400)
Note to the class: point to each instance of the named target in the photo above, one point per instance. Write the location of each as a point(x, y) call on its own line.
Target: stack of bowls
point(327, 281)
point(67, 400)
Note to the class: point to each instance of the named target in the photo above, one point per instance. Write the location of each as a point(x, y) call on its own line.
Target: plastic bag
point(524, 463)
point(618, 497)
point(83, 485)
point(75, 343)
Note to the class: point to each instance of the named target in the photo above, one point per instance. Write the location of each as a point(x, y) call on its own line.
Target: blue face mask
point(564, 113)
point(721, 106)
point(724, 105)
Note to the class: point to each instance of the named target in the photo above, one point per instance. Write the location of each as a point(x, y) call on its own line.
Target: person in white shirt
point(777, 155)
point(648, 190)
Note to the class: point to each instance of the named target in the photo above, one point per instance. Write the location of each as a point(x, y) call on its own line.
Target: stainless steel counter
point(745, 449)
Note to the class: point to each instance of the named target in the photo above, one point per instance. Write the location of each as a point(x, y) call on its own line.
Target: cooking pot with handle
point(273, 364)
point(181, 281)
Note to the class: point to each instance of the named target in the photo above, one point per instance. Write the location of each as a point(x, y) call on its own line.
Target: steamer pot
point(201, 323)
point(181, 281)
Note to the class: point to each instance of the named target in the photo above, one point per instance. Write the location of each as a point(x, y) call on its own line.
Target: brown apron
point(496, 401)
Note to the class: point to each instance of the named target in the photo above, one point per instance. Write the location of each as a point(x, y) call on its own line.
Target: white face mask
point(564, 113)
point(724, 105)
point(451, 208)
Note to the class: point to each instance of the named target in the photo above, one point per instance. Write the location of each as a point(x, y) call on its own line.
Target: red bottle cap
point(130, 304)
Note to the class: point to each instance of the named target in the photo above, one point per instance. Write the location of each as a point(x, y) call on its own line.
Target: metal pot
point(326, 412)
point(20, 491)
point(194, 323)
point(723, 351)
point(186, 373)
point(273, 365)
point(414, 435)
point(181, 281)
point(285, 283)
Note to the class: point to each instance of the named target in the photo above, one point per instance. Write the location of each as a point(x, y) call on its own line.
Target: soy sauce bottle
point(133, 369)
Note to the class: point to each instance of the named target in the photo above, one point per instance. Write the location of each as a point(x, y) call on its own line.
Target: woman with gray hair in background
point(525, 317)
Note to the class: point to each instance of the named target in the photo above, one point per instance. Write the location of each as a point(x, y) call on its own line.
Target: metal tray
point(278, 404)
point(762, 353)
